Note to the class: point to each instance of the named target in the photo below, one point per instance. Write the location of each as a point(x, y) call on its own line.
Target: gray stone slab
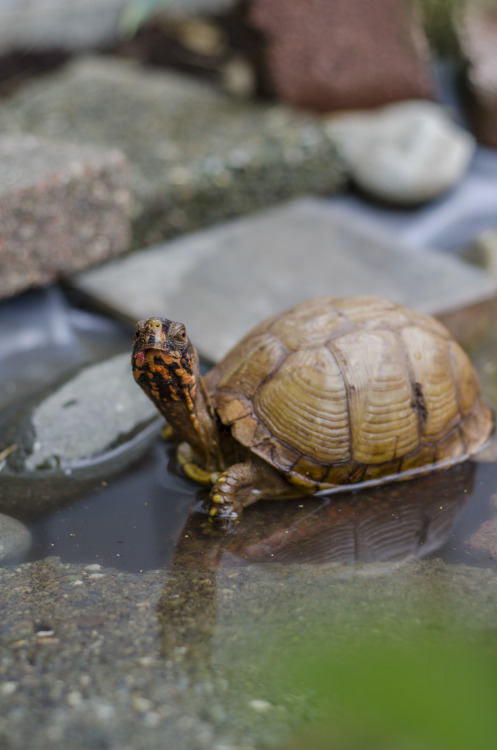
point(223, 281)
point(196, 155)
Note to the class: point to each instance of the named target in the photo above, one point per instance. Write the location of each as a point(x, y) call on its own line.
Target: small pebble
point(15, 539)
point(7, 688)
point(259, 705)
point(142, 705)
point(74, 698)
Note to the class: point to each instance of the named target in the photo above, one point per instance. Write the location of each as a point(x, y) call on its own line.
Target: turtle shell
point(340, 391)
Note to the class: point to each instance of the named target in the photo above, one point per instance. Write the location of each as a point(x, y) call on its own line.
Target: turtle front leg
point(244, 483)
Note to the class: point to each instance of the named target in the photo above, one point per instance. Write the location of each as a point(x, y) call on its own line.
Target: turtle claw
point(221, 508)
point(222, 499)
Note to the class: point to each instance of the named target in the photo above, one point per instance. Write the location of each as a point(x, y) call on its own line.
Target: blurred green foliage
point(427, 692)
point(440, 22)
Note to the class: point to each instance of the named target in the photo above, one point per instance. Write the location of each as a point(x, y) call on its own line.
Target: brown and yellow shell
point(339, 391)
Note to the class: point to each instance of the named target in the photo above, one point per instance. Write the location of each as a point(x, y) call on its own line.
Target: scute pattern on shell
point(344, 390)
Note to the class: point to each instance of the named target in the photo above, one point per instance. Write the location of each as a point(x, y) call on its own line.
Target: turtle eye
point(180, 336)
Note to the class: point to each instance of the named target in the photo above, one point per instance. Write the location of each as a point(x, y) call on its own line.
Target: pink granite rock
point(63, 207)
point(343, 54)
point(478, 38)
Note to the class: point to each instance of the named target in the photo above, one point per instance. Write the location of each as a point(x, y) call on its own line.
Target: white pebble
point(7, 688)
point(259, 705)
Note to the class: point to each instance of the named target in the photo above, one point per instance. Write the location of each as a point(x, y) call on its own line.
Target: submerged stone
point(93, 425)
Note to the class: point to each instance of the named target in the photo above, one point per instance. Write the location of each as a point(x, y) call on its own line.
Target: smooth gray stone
point(15, 539)
point(223, 281)
point(406, 153)
point(59, 445)
point(96, 415)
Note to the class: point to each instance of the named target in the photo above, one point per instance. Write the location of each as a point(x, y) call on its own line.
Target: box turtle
point(333, 394)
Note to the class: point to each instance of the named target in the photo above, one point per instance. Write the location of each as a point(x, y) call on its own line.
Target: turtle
point(334, 394)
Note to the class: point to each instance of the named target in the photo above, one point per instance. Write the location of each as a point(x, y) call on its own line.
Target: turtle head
point(165, 364)
point(161, 334)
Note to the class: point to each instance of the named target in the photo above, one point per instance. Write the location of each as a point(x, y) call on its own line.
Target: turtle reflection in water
point(334, 394)
point(377, 526)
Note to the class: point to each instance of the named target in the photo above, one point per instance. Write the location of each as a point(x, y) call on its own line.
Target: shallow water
point(200, 637)
point(44, 338)
point(134, 521)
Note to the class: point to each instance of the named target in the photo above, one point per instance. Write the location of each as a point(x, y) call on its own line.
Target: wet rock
point(15, 539)
point(222, 281)
point(478, 39)
point(342, 55)
point(196, 155)
point(87, 416)
point(406, 153)
point(63, 207)
point(92, 426)
point(93, 412)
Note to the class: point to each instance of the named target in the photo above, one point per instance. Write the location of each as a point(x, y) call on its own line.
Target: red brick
point(343, 54)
